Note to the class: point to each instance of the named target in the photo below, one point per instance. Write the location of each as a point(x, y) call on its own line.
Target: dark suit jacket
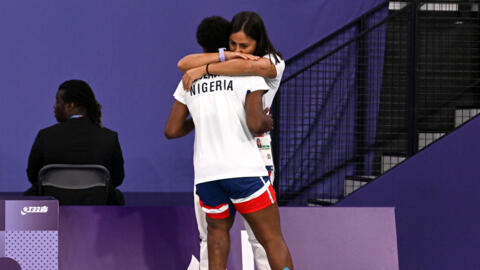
point(76, 141)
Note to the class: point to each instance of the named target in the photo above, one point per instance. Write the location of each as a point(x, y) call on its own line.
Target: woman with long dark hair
point(251, 53)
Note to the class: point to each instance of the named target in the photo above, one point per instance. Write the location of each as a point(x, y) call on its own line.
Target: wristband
point(221, 54)
point(206, 69)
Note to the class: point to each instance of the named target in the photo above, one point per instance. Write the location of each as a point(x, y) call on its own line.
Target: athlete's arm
point(177, 124)
point(235, 67)
point(258, 121)
point(195, 60)
point(201, 59)
point(263, 67)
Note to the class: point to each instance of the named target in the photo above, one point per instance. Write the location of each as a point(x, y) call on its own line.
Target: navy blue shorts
point(220, 198)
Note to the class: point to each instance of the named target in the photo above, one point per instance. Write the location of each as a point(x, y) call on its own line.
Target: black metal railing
point(372, 94)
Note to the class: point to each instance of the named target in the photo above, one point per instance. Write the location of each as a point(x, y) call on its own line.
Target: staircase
point(372, 95)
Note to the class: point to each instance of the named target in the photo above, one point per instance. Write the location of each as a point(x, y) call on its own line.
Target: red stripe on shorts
point(222, 215)
point(257, 203)
point(211, 207)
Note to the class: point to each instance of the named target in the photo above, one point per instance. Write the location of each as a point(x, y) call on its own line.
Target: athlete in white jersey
point(229, 172)
point(248, 37)
point(224, 146)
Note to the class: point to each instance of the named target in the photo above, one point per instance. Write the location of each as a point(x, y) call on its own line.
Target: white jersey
point(224, 147)
point(273, 83)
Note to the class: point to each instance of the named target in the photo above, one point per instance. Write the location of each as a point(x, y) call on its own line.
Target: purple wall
point(127, 51)
point(436, 197)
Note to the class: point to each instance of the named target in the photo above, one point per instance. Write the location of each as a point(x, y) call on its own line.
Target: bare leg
point(218, 240)
point(266, 227)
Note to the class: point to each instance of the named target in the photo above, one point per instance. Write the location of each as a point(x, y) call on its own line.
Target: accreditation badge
point(264, 146)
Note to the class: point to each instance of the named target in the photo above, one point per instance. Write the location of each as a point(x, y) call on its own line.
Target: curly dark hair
point(213, 33)
point(80, 93)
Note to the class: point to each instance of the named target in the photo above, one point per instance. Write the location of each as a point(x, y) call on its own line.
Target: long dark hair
point(252, 24)
point(80, 93)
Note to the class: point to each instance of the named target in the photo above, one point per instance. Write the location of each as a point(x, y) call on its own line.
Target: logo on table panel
point(34, 210)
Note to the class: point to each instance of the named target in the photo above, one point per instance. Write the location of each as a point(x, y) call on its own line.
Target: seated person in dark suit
point(78, 138)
